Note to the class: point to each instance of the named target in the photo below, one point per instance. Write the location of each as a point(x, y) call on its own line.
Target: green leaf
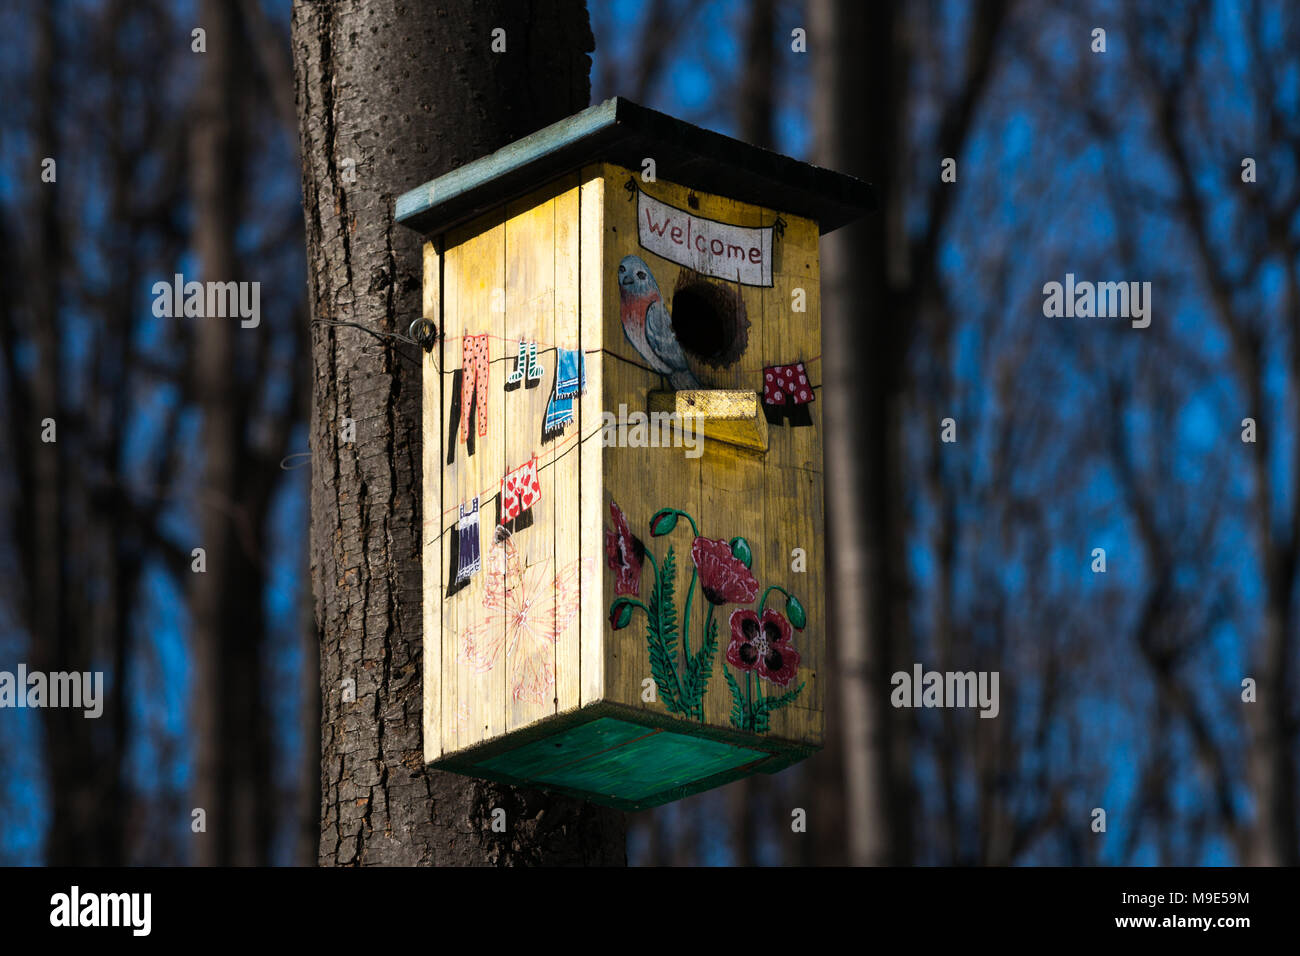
point(741, 552)
point(776, 703)
point(661, 636)
point(699, 668)
point(764, 707)
point(664, 521)
point(795, 612)
point(737, 701)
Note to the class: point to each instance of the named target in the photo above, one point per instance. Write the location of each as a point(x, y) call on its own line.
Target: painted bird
point(647, 324)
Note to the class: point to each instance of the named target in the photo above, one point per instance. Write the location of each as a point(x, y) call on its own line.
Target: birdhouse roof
point(620, 131)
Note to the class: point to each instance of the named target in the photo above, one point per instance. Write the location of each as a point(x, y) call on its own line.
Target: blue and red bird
point(647, 324)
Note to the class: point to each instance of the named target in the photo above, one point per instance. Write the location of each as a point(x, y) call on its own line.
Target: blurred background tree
point(1120, 690)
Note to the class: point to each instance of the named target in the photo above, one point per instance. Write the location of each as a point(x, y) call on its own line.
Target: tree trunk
point(232, 762)
point(1271, 762)
point(756, 105)
point(868, 742)
point(406, 91)
point(56, 645)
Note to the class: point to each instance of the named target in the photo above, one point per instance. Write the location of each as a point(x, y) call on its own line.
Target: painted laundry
point(520, 490)
point(570, 382)
point(474, 382)
point(527, 359)
point(787, 384)
point(468, 559)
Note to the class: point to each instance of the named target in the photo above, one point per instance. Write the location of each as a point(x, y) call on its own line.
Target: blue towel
point(570, 381)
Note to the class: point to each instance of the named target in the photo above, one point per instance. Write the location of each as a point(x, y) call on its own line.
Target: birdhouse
point(624, 578)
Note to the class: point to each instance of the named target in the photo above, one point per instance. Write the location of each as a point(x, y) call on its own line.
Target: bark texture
point(406, 91)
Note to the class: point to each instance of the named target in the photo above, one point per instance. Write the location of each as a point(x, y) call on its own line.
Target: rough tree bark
point(406, 91)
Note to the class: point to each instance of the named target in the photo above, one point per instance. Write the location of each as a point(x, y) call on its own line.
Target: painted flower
point(525, 612)
point(763, 645)
point(623, 553)
point(723, 577)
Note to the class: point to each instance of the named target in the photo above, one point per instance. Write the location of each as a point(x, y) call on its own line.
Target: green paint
point(661, 635)
point(613, 760)
point(682, 678)
point(603, 725)
point(753, 710)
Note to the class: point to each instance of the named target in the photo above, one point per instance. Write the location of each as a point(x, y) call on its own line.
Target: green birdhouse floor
point(631, 764)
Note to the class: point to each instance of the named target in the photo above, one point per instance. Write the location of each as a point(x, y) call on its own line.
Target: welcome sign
point(736, 253)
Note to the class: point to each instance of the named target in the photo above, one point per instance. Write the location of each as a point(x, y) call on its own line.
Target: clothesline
point(513, 340)
point(488, 494)
point(543, 348)
point(485, 498)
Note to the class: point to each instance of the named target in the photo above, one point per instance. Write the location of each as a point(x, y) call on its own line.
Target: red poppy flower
point(624, 554)
point(762, 645)
point(723, 577)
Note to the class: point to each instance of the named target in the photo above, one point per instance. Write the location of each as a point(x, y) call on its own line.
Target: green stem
point(694, 526)
point(749, 700)
point(707, 624)
point(774, 587)
point(654, 565)
point(651, 558)
point(686, 614)
point(635, 603)
point(690, 592)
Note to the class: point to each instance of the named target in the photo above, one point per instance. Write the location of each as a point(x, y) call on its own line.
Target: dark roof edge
point(623, 132)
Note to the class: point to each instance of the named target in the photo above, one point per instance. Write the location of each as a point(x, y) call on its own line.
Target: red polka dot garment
point(787, 384)
point(474, 383)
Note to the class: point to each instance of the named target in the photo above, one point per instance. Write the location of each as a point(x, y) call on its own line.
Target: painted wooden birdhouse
point(624, 580)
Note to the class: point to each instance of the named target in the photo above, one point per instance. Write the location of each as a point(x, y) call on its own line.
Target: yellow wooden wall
point(773, 499)
point(543, 268)
point(513, 273)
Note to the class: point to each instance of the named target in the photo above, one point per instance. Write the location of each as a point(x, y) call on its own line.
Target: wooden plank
point(475, 272)
point(432, 523)
point(450, 459)
point(563, 452)
point(793, 472)
point(796, 336)
point(640, 479)
point(593, 300)
point(734, 416)
point(799, 524)
point(530, 318)
point(731, 502)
